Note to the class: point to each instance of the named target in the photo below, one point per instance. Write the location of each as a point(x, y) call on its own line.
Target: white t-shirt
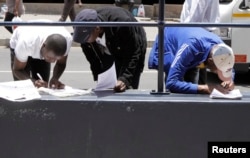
point(28, 40)
point(200, 11)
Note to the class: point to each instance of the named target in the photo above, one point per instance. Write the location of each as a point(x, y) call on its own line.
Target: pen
point(39, 76)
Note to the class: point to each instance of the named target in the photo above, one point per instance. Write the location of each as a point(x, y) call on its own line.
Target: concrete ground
point(5, 35)
point(52, 11)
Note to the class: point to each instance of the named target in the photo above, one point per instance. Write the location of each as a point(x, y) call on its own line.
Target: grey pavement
point(77, 73)
point(73, 71)
point(5, 35)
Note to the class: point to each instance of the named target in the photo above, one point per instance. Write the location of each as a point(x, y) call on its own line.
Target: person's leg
point(8, 17)
point(40, 66)
point(72, 14)
point(68, 5)
point(192, 75)
point(131, 5)
point(202, 76)
point(12, 56)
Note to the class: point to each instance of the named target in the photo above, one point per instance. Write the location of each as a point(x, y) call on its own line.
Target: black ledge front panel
point(128, 125)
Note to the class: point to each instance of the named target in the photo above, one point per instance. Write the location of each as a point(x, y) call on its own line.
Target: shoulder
point(113, 13)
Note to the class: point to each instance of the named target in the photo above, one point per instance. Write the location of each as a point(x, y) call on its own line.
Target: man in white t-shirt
point(200, 11)
point(33, 48)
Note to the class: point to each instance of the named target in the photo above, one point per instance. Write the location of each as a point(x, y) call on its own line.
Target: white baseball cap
point(223, 58)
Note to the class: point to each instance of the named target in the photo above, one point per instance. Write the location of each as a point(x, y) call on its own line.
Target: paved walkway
point(5, 35)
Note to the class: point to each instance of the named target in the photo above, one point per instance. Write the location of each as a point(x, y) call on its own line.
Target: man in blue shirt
point(186, 49)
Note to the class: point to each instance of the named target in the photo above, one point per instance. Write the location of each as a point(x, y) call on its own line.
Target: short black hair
point(56, 43)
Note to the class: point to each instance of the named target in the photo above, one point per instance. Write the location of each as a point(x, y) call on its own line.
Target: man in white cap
point(186, 48)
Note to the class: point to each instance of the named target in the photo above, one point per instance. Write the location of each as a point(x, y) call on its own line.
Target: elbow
point(170, 86)
point(173, 86)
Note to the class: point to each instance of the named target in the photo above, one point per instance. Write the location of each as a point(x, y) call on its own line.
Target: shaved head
point(56, 43)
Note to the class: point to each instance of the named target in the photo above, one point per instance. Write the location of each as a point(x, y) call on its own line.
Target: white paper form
point(66, 92)
point(22, 90)
point(234, 94)
point(107, 79)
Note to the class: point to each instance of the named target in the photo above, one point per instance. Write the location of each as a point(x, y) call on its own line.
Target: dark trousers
point(192, 75)
point(68, 10)
point(8, 17)
point(33, 67)
point(196, 75)
point(202, 76)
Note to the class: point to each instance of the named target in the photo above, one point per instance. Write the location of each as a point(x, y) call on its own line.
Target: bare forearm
point(203, 89)
point(208, 88)
point(21, 75)
point(58, 71)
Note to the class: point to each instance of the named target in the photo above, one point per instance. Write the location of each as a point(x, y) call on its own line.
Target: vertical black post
point(161, 26)
point(161, 45)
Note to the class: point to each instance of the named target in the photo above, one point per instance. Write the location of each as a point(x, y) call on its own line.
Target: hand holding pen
point(40, 82)
point(225, 86)
point(229, 85)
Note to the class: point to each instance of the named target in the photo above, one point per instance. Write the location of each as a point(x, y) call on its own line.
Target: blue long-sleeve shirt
point(184, 48)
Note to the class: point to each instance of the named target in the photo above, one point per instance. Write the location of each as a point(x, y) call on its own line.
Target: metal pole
point(161, 26)
point(161, 46)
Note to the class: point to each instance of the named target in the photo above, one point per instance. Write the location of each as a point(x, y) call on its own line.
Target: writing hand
point(207, 89)
point(40, 83)
point(228, 85)
point(224, 87)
